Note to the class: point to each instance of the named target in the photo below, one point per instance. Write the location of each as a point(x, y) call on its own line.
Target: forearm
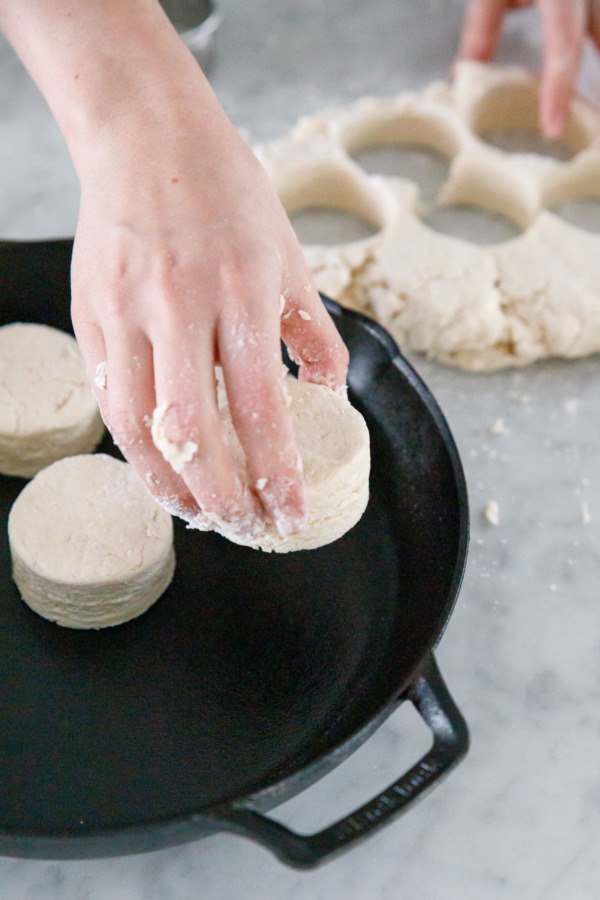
point(109, 70)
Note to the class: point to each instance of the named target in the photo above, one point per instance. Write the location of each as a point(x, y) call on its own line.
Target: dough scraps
point(479, 307)
point(89, 545)
point(47, 409)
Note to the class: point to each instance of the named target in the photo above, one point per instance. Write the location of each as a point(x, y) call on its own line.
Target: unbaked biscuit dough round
point(47, 409)
point(333, 443)
point(89, 545)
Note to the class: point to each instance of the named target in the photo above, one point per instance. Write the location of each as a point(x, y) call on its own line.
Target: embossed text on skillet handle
point(432, 700)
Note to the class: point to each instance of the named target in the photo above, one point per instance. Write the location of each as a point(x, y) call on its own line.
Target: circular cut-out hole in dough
point(375, 125)
point(330, 201)
point(421, 165)
point(328, 225)
point(528, 142)
point(584, 212)
point(471, 224)
point(515, 108)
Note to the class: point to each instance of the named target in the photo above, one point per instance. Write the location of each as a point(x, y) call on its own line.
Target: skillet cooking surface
point(251, 665)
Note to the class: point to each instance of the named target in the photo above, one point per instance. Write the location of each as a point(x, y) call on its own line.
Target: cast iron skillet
point(255, 674)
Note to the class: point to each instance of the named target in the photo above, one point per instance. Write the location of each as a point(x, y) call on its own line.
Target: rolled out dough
point(47, 409)
point(479, 307)
point(89, 545)
point(333, 443)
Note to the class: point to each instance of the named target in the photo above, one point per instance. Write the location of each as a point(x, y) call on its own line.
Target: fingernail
point(285, 502)
point(239, 527)
point(552, 122)
point(288, 521)
point(178, 508)
point(553, 128)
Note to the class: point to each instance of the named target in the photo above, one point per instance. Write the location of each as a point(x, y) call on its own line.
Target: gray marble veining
point(520, 818)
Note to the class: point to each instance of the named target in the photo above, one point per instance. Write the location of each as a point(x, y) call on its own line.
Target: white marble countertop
point(519, 817)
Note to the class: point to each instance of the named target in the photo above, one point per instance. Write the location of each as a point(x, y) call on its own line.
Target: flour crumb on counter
point(491, 513)
point(497, 427)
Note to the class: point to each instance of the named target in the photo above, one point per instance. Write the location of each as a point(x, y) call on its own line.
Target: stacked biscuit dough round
point(47, 409)
point(479, 307)
point(333, 444)
point(89, 545)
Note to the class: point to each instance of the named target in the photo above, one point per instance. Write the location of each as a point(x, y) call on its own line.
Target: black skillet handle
point(430, 697)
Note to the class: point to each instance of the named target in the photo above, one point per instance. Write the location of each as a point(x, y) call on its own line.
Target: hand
point(565, 23)
point(183, 261)
point(182, 256)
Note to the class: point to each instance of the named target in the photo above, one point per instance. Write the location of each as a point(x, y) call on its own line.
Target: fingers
point(310, 335)
point(564, 24)
point(158, 398)
point(120, 371)
point(187, 430)
point(125, 392)
point(200, 485)
point(481, 29)
point(482, 26)
point(250, 353)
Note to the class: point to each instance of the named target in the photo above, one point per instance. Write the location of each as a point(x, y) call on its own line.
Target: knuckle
point(115, 300)
point(171, 292)
point(233, 274)
point(229, 276)
point(172, 323)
